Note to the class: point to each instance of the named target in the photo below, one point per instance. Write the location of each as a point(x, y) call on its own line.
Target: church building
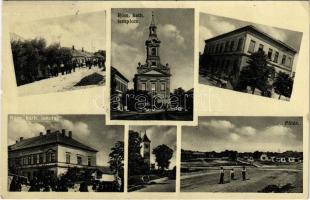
point(152, 76)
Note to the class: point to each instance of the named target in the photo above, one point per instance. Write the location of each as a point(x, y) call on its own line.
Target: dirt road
point(257, 179)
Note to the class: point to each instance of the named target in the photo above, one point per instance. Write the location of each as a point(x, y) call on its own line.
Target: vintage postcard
point(243, 154)
point(59, 54)
point(64, 153)
point(152, 100)
point(152, 64)
point(247, 57)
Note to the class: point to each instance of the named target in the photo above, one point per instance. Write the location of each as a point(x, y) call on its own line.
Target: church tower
point(152, 46)
point(152, 76)
point(146, 150)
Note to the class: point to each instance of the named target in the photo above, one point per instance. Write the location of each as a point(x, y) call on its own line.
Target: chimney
point(82, 49)
point(41, 133)
point(63, 132)
point(21, 138)
point(70, 134)
point(16, 141)
point(48, 131)
point(73, 47)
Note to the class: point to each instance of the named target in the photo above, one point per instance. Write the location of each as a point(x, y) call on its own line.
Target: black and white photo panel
point(152, 72)
point(64, 153)
point(243, 154)
point(247, 57)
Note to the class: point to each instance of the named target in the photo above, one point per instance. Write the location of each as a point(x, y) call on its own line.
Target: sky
point(87, 30)
point(175, 29)
point(213, 25)
point(87, 129)
point(159, 135)
point(244, 134)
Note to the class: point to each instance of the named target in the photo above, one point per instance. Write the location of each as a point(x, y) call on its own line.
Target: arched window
point(153, 51)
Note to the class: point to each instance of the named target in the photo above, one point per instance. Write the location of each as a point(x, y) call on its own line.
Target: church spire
point(153, 21)
point(152, 28)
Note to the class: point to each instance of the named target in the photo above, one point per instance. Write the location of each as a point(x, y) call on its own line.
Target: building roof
point(115, 71)
point(48, 139)
point(145, 138)
point(253, 29)
point(78, 53)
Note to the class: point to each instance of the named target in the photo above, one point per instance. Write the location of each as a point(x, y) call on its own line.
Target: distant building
point(264, 157)
point(146, 150)
point(226, 54)
point(81, 56)
point(152, 76)
point(52, 153)
point(119, 86)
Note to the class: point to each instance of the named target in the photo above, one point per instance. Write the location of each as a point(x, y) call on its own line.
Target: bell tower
point(146, 150)
point(152, 45)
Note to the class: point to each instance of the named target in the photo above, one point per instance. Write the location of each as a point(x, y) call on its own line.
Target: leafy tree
point(117, 160)
point(51, 53)
point(163, 155)
point(283, 85)
point(136, 164)
point(256, 73)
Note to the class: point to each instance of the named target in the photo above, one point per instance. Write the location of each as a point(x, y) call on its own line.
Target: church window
point(261, 47)
point(153, 51)
point(153, 63)
point(162, 86)
point(143, 86)
point(153, 87)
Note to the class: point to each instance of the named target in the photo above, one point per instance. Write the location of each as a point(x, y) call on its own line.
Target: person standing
point(62, 68)
point(221, 176)
point(232, 174)
point(243, 173)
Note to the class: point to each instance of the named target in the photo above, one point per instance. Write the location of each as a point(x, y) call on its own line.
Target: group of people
point(232, 174)
point(68, 67)
point(53, 184)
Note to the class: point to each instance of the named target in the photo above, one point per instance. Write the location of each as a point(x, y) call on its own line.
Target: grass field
point(258, 180)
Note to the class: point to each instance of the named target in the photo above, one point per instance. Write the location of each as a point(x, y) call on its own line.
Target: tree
point(163, 155)
point(117, 161)
point(136, 164)
point(283, 85)
point(256, 73)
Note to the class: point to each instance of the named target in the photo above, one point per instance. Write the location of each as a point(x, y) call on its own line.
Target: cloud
point(234, 136)
point(274, 32)
point(79, 31)
point(19, 127)
point(212, 26)
point(171, 32)
point(246, 130)
point(219, 124)
point(204, 33)
point(278, 131)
